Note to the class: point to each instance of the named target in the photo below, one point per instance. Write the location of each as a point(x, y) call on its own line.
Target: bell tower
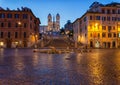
point(53, 23)
point(57, 22)
point(49, 22)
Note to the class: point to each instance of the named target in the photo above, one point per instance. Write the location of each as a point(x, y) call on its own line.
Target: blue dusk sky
point(68, 9)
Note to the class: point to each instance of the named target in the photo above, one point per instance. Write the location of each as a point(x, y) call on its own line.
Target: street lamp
point(1, 44)
point(20, 24)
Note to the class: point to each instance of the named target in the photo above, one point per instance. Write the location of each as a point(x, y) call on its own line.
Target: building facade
point(43, 29)
point(99, 27)
point(68, 27)
point(53, 24)
point(18, 28)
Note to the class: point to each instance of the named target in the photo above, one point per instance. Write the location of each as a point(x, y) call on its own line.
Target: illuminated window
point(109, 35)
point(113, 27)
point(114, 34)
point(103, 34)
point(119, 35)
point(103, 27)
point(109, 28)
point(98, 35)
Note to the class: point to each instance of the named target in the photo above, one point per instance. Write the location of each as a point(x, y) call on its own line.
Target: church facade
point(53, 23)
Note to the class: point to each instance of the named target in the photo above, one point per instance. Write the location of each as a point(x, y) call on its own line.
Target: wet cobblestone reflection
point(24, 67)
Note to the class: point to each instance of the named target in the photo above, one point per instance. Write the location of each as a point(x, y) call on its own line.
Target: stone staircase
point(60, 43)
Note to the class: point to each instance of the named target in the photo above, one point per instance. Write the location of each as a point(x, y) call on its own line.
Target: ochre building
point(18, 28)
point(99, 27)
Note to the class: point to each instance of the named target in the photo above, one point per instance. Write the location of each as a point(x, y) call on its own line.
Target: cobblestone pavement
point(24, 67)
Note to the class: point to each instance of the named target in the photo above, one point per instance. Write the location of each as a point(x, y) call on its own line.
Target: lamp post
point(20, 25)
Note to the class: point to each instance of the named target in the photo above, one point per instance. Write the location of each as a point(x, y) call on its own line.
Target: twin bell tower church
point(53, 23)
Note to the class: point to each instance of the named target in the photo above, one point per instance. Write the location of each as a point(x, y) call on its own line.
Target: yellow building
point(99, 27)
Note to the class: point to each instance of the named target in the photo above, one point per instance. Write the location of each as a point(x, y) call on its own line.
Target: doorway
point(97, 44)
point(9, 43)
point(104, 45)
point(109, 44)
point(91, 44)
point(113, 44)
